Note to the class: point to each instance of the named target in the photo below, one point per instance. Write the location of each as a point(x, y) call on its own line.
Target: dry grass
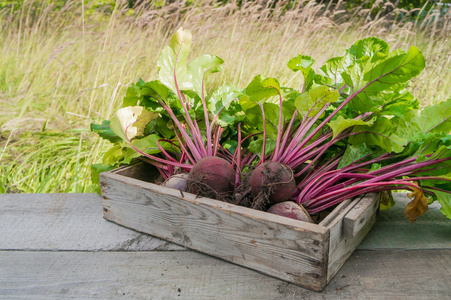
point(62, 72)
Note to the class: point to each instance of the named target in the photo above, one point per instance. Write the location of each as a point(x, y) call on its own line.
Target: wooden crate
point(302, 253)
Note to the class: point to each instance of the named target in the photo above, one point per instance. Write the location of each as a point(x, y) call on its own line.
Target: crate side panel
point(340, 246)
point(298, 256)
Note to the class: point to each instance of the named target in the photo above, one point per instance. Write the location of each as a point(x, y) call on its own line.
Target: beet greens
point(351, 128)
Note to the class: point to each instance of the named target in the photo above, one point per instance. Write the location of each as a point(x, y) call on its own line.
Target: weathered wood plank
point(384, 274)
point(393, 231)
point(339, 212)
point(340, 246)
point(66, 222)
point(25, 220)
point(289, 249)
point(356, 218)
point(389, 274)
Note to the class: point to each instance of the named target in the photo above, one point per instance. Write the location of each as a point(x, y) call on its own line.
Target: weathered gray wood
point(66, 222)
point(356, 218)
point(289, 249)
point(339, 212)
point(95, 272)
point(340, 246)
point(166, 275)
point(393, 231)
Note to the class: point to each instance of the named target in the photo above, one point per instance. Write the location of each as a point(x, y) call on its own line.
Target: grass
point(60, 71)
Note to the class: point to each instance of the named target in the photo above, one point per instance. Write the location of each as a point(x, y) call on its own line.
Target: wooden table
point(58, 246)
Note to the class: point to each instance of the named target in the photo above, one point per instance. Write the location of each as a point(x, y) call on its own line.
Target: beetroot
point(177, 181)
point(212, 177)
point(291, 210)
point(273, 182)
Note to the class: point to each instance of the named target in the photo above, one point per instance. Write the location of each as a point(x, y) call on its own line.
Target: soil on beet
point(199, 187)
point(274, 181)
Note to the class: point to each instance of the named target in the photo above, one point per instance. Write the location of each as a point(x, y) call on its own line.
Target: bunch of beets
point(351, 128)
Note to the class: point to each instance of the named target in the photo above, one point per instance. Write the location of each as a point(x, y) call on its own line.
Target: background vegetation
point(65, 64)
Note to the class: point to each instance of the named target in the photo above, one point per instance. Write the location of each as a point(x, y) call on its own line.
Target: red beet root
point(291, 210)
point(211, 176)
point(273, 181)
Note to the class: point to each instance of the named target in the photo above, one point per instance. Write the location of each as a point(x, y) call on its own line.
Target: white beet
point(177, 181)
point(291, 210)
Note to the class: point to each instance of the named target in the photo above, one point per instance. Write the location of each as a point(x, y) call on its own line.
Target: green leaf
point(368, 47)
point(386, 200)
point(173, 58)
point(379, 134)
point(444, 183)
point(256, 146)
point(445, 202)
point(223, 104)
point(96, 169)
point(397, 67)
point(438, 150)
point(148, 144)
point(406, 126)
point(360, 58)
point(230, 145)
point(398, 102)
point(229, 118)
point(340, 124)
point(104, 130)
point(423, 145)
point(436, 118)
point(222, 98)
point(164, 127)
point(353, 153)
point(254, 117)
point(156, 90)
point(130, 121)
point(114, 155)
point(201, 66)
point(310, 103)
point(333, 69)
point(372, 74)
point(374, 167)
point(132, 96)
point(260, 90)
point(303, 63)
point(300, 63)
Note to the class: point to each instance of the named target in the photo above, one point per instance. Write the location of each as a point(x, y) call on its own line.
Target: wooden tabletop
point(58, 246)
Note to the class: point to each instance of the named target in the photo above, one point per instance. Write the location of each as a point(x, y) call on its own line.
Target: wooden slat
point(340, 246)
point(277, 246)
point(66, 222)
point(95, 272)
point(357, 217)
point(339, 212)
point(166, 275)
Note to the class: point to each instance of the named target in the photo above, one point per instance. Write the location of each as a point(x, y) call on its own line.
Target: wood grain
point(289, 249)
point(358, 216)
point(384, 274)
point(340, 246)
point(66, 222)
point(102, 270)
